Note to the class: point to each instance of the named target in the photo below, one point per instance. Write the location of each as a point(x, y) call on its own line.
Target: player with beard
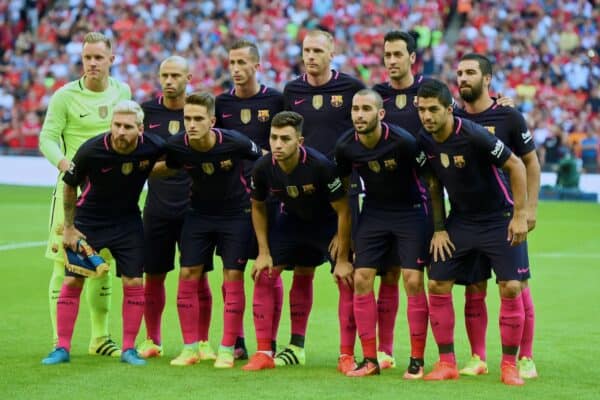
point(474, 73)
point(484, 219)
point(323, 96)
point(248, 107)
point(112, 169)
point(392, 229)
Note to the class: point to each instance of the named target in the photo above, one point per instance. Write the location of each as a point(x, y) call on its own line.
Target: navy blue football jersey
point(218, 182)
point(307, 191)
point(468, 165)
point(111, 182)
point(168, 196)
point(388, 171)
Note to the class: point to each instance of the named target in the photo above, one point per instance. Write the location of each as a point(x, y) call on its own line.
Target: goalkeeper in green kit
point(77, 112)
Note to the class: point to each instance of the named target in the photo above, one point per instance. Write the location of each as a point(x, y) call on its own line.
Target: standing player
point(78, 111)
point(312, 194)
point(323, 97)
point(166, 203)
point(466, 158)
point(474, 73)
point(398, 101)
point(248, 108)
point(112, 169)
point(393, 223)
point(219, 217)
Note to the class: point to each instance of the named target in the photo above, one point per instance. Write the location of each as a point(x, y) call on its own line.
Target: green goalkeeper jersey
point(76, 114)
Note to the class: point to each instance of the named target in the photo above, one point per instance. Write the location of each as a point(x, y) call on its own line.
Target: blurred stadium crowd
point(546, 53)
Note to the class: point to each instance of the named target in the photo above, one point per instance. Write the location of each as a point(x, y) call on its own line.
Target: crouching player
point(112, 168)
point(311, 194)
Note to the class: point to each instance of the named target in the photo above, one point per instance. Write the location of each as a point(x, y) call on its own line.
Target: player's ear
point(381, 114)
point(301, 140)
point(412, 57)
point(112, 59)
point(213, 120)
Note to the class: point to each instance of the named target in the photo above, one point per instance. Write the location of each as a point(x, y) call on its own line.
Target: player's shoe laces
point(367, 367)
point(385, 360)
point(346, 363)
point(57, 356)
point(149, 349)
point(205, 351)
point(224, 359)
point(259, 361)
point(188, 356)
point(291, 355)
point(415, 369)
point(104, 346)
point(442, 371)
point(527, 368)
point(85, 261)
point(131, 357)
point(474, 367)
point(510, 375)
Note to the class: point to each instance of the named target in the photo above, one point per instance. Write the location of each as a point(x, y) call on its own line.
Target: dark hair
point(202, 99)
point(246, 44)
point(406, 37)
point(439, 90)
point(371, 92)
point(288, 118)
point(485, 65)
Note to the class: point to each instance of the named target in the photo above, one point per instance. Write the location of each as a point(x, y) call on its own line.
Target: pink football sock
point(233, 311)
point(365, 312)
point(204, 308)
point(301, 301)
point(154, 293)
point(441, 315)
point(346, 319)
point(526, 349)
point(417, 314)
point(262, 309)
point(476, 320)
point(387, 309)
point(187, 308)
point(67, 308)
point(277, 304)
point(133, 312)
point(512, 319)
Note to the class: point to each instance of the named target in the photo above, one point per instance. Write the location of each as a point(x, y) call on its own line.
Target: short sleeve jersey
point(467, 164)
point(389, 170)
point(111, 182)
point(218, 182)
point(326, 109)
point(307, 191)
point(169, 196)
point(506, 123)
point(399, 104)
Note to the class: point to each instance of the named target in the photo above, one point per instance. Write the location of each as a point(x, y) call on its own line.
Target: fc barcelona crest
point(491, 129)
point(226, 165)
point(374, 166)
point(245, 115)
point(208, 168)
point(292, 191)
point(337, 100)
point(317, 101)
point(390, 164)
point(103, 111)
point(459, 161)
point(400, 101)
point(445, 160)
point(173, 127)
point(144, 164)
point(263, 115)
point(126, 168)
point(309, 188)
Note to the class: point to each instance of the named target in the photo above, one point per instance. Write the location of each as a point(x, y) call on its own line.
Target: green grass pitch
point(565, 259)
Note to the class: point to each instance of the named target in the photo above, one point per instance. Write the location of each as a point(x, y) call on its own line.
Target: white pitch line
point(566, 255)
point(22, 245)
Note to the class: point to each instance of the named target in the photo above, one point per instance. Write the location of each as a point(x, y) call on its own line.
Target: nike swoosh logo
point(430, 157)
point(522, 270)
point(105, 170)
point(299, 101)
point(420, 261)
point(83, 115)
point(152, 126)
point(275, 190)
point(226, 115)
point(386, 99)
point(188, 166)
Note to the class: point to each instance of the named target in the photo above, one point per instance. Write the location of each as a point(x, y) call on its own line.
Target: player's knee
point(391, 277)
point(363, 280)
point(479, 287)
point(509, 289)
point(132, 281)
point(233, 275)
point(413, 282)
point(72, 281)
point(439, 287)
point(186, 273)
